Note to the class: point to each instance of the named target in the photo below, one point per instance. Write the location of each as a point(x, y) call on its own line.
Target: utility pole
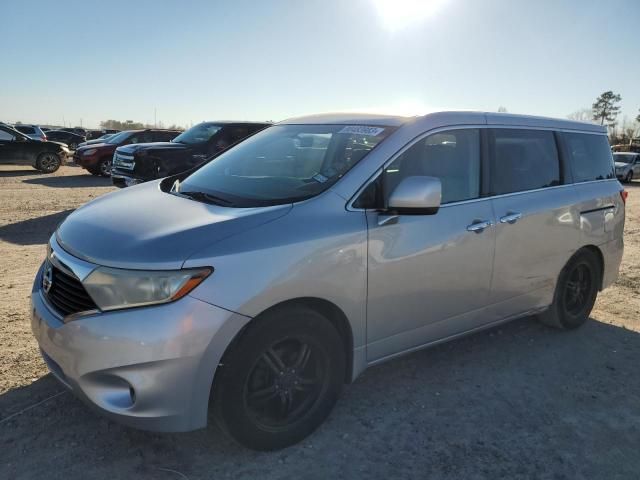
point(155, 123)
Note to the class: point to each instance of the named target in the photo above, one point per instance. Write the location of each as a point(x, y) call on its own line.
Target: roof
point(348, 118)
point(484, 118)
point(232, 122)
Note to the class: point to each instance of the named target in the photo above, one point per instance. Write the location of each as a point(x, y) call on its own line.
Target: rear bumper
point(612, 254)
point(150, 368)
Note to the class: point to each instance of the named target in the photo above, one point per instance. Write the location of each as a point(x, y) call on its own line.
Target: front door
point(429, 275)
point(11, 148)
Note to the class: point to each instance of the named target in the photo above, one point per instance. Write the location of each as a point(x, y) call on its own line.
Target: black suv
point(133, 164)
point(18, 149)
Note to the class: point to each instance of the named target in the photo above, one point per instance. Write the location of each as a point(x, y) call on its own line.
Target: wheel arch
point(598, 254)
point(327, 309)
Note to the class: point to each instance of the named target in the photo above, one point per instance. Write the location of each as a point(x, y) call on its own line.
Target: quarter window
point(452, 156)
point(6, 136)
point(589, 156)
point(522, 160)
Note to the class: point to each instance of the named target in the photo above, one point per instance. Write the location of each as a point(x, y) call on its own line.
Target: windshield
point(198, 134)
point(284, 163)
point(623, 157)
point(118, 138)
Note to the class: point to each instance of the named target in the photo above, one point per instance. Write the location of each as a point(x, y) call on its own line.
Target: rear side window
point(589, 156)
point(163, 136)
point(238, 133)
point(522, 160)
point(26, 130)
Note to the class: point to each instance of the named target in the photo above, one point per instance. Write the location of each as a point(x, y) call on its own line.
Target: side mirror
point(416, 196)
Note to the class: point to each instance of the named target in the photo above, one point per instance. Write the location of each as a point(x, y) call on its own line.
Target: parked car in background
point(71, 139)
point(627, 166)
point(96, 159)
point(31, 131)
point(264, 280)
point(139, 163)
point(77, 130)
point(93, 134)
point(95, 141)
point(18, 149)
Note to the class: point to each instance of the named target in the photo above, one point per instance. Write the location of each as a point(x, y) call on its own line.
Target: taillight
point(624, 194)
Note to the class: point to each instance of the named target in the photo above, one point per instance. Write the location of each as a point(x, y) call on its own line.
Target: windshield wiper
point(206, 198)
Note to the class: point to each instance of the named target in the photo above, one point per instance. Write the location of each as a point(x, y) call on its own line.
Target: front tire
point(576, 292)
point(104, 167)
point(629, 177)
point(280, 380)
point(48, 162)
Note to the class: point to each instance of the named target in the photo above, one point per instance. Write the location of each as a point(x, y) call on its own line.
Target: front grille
point(67, 294)
point(123, 161)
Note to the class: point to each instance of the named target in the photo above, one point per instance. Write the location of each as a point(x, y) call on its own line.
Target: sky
point(81, 62)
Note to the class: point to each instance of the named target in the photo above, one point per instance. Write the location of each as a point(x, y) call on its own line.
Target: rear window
point(522, 160)
point(589, 156)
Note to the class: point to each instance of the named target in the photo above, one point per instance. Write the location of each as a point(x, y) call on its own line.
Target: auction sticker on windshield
point(362, 130)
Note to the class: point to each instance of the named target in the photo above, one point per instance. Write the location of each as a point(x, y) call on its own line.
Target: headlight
point(113, 288)
point(91, 151)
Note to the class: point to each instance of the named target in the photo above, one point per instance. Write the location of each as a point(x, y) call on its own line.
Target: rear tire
point(48, 162)
point(576, 292)
point(629, 177)
point(280, 380)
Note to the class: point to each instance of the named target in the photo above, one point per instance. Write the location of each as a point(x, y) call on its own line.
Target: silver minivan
point(255, 286)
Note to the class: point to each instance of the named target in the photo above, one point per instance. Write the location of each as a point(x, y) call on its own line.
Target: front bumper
point(89, 161)
point(150, 368)
point(121, 181)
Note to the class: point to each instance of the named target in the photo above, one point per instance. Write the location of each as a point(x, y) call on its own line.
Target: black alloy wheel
point(48, 162)
point(576, 291)
point(280, 379)
point(285, 382)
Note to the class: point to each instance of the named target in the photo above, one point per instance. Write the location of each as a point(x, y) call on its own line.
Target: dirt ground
point(520, 401)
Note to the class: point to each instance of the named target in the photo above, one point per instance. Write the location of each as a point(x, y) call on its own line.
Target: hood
point(621, 164)
point(60, 144)
point(91, 142)
point(143, 227)
point(105, 146)
point(137, 147)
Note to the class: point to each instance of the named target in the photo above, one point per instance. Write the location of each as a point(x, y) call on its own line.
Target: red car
point(97, 158)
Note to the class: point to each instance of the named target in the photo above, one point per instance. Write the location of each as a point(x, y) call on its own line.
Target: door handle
point(479, 225)
point(511, 218)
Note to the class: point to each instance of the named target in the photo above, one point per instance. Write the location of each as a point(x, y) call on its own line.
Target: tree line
point(131, 125)
point(605, 111)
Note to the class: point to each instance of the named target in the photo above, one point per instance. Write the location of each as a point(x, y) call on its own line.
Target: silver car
point(256, 286)
point(627, 166)
point(32, 131)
